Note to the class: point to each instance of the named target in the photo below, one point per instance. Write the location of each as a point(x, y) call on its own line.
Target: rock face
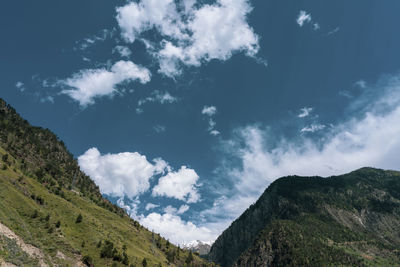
point(203, 248)
point(348, 220)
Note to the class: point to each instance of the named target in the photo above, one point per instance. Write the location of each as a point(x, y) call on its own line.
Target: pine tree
point(79, 218)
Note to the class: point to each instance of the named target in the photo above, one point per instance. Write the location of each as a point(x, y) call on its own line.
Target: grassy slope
point(99, 224)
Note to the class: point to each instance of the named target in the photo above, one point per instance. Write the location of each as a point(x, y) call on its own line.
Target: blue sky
point(184, 111)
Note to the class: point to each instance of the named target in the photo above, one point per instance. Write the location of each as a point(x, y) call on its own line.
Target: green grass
point(17, 208)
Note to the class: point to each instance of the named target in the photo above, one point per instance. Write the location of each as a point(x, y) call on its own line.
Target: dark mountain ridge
point(351, 219)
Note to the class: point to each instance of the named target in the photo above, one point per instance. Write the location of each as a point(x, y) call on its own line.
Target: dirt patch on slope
point(27, 248)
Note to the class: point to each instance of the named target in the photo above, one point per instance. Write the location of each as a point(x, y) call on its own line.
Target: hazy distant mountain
point(52, 214)
point(347, 220)
point(203, 248)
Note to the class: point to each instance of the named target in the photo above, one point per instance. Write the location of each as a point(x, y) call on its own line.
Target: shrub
point(58, 224)
point(79, 218)
point(189, 258)
point(125, 259)
point(5, 158)
point(87, 260)
point(107, 250)
point(144, 262)
point(35, 214)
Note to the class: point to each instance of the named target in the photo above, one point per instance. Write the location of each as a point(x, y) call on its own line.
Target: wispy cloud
point(303, 18)
point(369, 138)
point(150, 206)
point(304, 112)
point(20, 86)
point(314, 127)
point(210, 112)
point(159, 128)
point(335, 30)
point(156, 96)
point(90, 41)
point(123, 51)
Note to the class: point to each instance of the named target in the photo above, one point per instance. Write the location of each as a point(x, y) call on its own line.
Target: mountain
point(52, 214)
point(347, 220)
point(202, 248)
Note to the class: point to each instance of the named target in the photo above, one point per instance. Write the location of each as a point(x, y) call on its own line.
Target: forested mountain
point(52, 214)
point(347, 220)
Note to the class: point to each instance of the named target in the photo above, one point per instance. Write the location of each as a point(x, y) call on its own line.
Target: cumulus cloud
point(304, 112)
point(123, 174)
point(209, 110)
point(88, 84)
point(175, 229)
point(191, 33)
point(303, 17)
point(181, 185)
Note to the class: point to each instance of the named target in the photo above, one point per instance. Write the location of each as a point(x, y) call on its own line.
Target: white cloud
point(88, 84)
point(135, 18)
point(209, 110)
point(123, 51)
point(171, 210)
point(182, 209)
point(361, 83)
point(314, 127)
point(194, 33)
point(20, 86)
point(316, 26)
point(215, 132)
point(159, 128)
point(101, 36)
point(123, 174)
point(304, 112)
point(303, 17)
point(156, 96)
point(150, 206)
point(180, 185)
point(175, 229)
point(369, 139)
point(333, 31)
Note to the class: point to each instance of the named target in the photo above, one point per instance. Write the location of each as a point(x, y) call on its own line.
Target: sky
point(184, 111)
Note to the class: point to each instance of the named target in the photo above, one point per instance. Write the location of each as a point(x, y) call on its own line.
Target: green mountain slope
point(52, 214)
point(347, 220)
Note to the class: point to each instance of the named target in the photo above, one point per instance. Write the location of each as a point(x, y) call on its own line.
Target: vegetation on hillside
point(50, 205)
point(348, 220)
